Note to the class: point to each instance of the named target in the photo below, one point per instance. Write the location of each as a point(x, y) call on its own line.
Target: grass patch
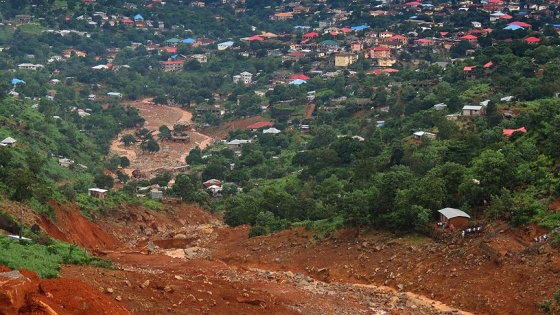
point(322, 228)
point(45, 260)
point(152, 204)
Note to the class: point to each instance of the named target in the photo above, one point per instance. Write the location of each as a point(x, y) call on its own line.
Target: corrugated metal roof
point(451, 213)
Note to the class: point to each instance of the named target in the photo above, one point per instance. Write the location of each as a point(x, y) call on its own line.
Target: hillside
point(196, 264)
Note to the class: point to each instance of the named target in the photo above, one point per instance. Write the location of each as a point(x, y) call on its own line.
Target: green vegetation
point(45, 259)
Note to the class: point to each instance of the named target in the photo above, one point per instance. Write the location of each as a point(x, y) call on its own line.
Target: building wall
point(459, 222)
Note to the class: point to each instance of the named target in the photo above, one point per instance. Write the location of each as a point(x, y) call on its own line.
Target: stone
point(13, 288)
point(127, 283)
point(145, 284)
point(168, 289)
point(177, 277)
point(118, 298)
point(180, 236)
point(400, 286)
point(110, 290)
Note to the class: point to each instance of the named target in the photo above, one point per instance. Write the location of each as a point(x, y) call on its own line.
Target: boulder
point(14, 288)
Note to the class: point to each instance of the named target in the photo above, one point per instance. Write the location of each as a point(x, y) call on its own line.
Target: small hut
point(454, 216)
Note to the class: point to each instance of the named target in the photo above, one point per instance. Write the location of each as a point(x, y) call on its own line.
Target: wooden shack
point(454, 216)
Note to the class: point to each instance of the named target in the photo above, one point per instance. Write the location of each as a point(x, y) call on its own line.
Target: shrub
point(45, 260)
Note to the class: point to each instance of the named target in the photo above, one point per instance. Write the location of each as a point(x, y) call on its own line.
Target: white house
point(114, 94)
point(225, 45)
point(245, 77)
point(8, 142)
point(30, 66)
point(233, 144)
point(440, 106)
point(420, 134)
point(472, 110)
point(271, 130)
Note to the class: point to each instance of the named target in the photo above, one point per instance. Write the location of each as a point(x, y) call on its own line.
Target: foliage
point(46, 260)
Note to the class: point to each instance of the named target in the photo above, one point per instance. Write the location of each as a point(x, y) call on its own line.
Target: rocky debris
point(22, 292)
point(196, 252)
point(13, 288)
point(145, 284)
point(379, 299)
point(165, 288)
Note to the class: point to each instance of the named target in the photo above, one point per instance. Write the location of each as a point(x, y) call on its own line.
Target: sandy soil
point(171, 154)
point(183, 260)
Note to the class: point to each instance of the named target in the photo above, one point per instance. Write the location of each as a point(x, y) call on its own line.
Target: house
point(440, 106)
point(114, 94)
point(212, 182)
point(281, 16)
point(138, 18)
point(200, 58)
point(97, 193)
point(245, 77)
point(421, 134)
point(22, 19)
point(509, 132)
point(172, 66)
point(380, 52)
point(507, 98)
point(235, 144)
point(30, 66)
point(356, 46)
point(344, 59)
point(473, 110)
point(67, 53)
point(8, 142)
point(65, 162)
point(272, 131)
point(225, 45)
point(156, 194)
point(454, 217)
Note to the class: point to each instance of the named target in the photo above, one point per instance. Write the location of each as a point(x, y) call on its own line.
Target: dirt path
point(171, 154)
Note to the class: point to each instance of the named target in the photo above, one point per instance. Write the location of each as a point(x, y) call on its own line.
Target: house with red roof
point(310, 35)
point(255, 38)
point(425, 42)
point(509, 132)
point(470, 72)
point(379, 52)
point(128, 22)
point(522, 24)
point(532, 40)
point(470, 38)
point(172, 65)
point(299, 77)
point(296, 55)
point(399, 38)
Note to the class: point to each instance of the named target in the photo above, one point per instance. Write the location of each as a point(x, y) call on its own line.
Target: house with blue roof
point(16, 81)
point(359, 28)
point(138, 18)
point(513, 27)
point(189, 40)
